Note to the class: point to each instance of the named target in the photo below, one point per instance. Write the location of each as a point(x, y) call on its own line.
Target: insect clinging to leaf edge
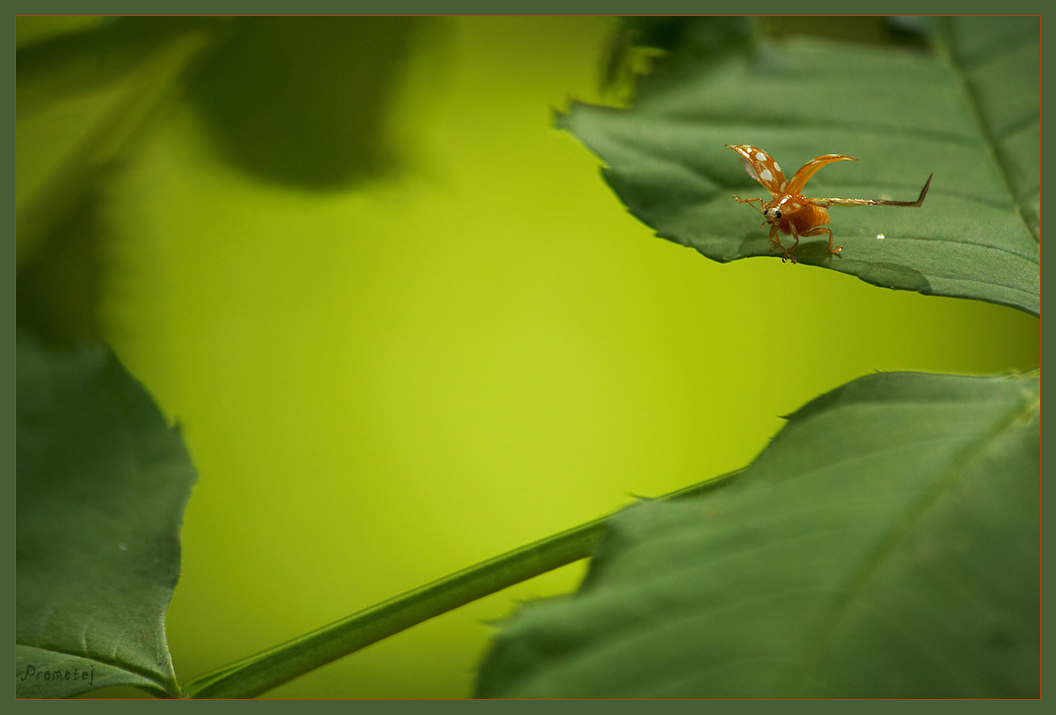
point(788, 211)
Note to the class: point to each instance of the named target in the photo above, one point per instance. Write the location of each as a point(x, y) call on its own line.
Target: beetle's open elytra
point(788, 210)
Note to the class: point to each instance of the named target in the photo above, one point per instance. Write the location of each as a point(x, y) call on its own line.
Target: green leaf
point(43, 673)
point(884, 545)
point(102, 484)
point(970, 114)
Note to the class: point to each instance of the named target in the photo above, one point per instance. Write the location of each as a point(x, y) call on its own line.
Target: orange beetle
point(788, 210)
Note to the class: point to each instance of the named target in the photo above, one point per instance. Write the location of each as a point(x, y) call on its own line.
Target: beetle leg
point(820, 230)
point(758, 208)
point(795, 234)
point(776, 241)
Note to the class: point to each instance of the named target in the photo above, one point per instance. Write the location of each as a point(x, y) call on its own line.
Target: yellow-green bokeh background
point(388, 383)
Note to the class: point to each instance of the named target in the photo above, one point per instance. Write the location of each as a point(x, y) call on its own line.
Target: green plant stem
point(271, 668)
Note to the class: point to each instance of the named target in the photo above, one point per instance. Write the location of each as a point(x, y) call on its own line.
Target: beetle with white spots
point(788, 210)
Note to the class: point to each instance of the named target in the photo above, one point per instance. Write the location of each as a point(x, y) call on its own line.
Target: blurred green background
point(403, 323)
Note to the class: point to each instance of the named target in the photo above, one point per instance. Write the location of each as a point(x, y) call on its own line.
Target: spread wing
point(799, 181)
point(762, 167)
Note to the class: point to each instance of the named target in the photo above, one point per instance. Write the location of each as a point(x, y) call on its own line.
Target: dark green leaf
point(87, 100)
point(970, 114)
point(304, 100)
point(884, 545)
point(44, 673)
point(60, 61)
point(102, 484)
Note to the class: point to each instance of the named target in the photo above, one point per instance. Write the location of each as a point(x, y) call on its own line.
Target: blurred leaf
point(85, 103)
point(970, 115)
point(861, 29)
point(59, 289)
point(102, 484)
point(37, 29)
point(303, 100)
point(639, 41)
point(884, 545)
point(62, 57)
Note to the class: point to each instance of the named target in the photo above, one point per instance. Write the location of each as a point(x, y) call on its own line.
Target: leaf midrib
point(905, 527)
point(959, 71)
point(162, 687)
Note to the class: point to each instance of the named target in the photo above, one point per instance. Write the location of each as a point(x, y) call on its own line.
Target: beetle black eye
point(777, 213)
